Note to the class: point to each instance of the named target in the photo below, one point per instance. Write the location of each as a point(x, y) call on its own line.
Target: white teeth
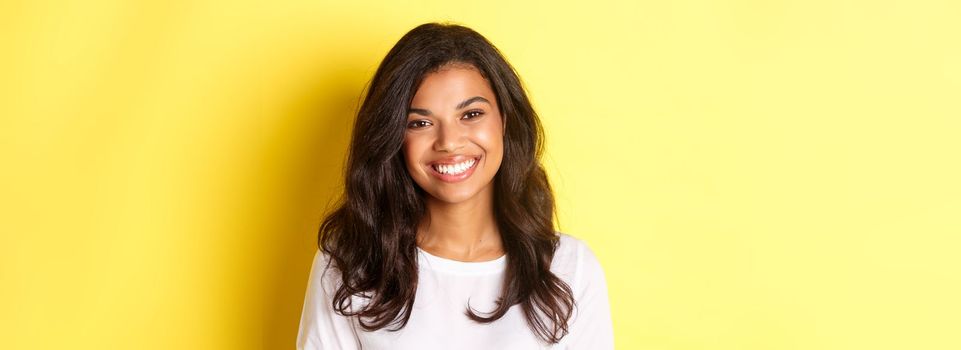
point(455, 169)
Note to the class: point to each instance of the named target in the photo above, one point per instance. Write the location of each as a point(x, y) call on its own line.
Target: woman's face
point(454, 139)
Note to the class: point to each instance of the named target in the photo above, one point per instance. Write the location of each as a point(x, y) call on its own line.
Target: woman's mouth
point(454, 172)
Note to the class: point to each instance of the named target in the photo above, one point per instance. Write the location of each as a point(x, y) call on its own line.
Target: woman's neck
point(465, 231)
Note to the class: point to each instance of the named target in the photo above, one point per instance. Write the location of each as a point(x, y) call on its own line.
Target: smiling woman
point(444, 237)
point(444, 144)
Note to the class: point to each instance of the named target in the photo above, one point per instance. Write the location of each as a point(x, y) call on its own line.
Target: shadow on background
point(324, 113)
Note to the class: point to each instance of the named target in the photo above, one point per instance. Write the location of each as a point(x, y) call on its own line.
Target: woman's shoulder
point(325, 272)
point(326, 278)
point(573, 259)
point(591, 325)
point(568, 242)
point(573, 247)
point(322, 268)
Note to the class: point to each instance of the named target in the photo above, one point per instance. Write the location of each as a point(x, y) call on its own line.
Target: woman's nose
point(450, 138)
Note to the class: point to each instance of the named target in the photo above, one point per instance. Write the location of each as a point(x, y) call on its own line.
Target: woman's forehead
point(447, 86)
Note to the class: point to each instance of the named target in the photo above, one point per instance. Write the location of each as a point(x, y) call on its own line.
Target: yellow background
point(751, 174)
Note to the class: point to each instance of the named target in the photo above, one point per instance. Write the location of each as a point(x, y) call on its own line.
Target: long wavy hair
point(371, 235)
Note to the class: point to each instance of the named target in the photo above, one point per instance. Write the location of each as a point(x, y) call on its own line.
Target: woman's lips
point(472, 161)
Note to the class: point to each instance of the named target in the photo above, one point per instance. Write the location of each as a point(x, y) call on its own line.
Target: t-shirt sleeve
point(320, 326)
point(591, 327)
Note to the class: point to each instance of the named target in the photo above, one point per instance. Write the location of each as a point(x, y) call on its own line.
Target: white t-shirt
point(445, 286)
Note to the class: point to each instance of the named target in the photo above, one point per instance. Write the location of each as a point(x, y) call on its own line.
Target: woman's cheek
point(411, 153)
point(490, 135)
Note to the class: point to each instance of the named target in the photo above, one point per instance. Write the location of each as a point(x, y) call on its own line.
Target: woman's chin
point(454, 195)
point(453, 198)
point(457, 193)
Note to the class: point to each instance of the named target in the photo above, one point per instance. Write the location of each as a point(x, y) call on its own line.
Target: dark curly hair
point(371, 235)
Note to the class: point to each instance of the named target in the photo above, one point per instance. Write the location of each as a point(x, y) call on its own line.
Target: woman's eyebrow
point(461, 105)
point(422, 112)
point(472, 100)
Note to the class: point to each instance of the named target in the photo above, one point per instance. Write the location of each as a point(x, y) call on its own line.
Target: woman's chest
point(439, 318)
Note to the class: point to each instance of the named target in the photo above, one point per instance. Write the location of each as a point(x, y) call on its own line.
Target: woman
point(444, 238)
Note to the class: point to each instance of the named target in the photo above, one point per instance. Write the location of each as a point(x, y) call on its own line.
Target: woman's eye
point(417, 124)
point(473, 114)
